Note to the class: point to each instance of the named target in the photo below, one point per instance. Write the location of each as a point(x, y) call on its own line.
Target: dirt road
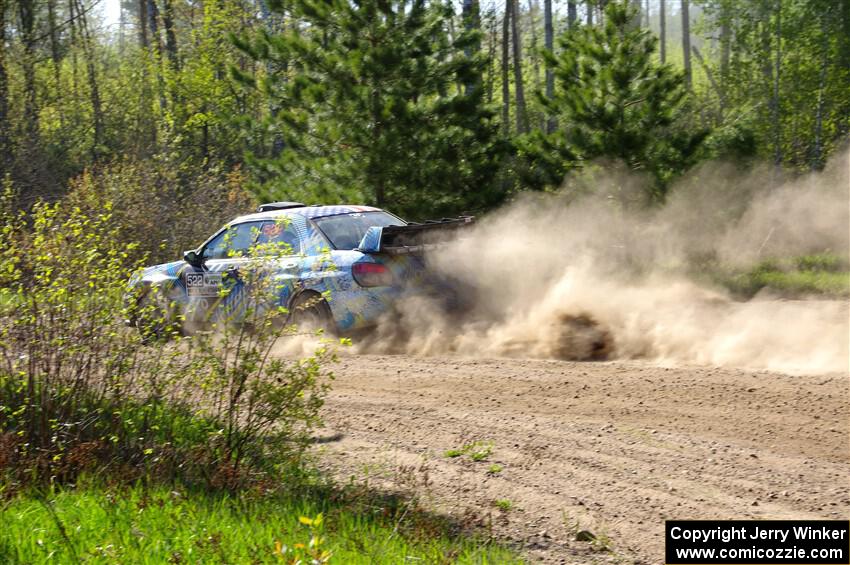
point(614, 448)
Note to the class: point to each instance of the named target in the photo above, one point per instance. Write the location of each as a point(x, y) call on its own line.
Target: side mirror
point(194, 258)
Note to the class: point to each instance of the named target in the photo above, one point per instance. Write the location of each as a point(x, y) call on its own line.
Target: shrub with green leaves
point(163, 207)
point(66, 365)
point(265, 403)
point(80, 391)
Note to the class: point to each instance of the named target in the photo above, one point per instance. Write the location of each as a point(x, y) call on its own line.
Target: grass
point(503, 504)
point(799, 282)
point(476, 450)
point(167, 525)
point(481, 452)
point(823, 274)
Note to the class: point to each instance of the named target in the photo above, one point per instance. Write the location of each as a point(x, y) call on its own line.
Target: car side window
point(278, 237)
point(235, 241)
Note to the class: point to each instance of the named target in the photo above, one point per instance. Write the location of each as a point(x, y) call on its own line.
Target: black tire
point(309, 312)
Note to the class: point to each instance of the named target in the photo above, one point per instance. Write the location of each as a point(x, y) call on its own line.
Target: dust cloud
point(576, 275)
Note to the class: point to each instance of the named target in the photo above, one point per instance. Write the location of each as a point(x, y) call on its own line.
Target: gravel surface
point(609, 448)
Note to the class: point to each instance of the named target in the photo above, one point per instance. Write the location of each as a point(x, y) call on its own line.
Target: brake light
point(371, 274)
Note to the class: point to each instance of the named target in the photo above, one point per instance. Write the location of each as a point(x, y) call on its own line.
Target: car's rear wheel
point(309, 312)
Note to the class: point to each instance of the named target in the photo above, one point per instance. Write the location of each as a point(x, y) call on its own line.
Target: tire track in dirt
point(614, 448)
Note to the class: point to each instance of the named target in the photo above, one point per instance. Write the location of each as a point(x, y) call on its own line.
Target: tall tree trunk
point(725, 43)
point(816, 162)
point(844, 36)
point(205, 150)
point(75, 75)
point(55, 57)
point(506, 90)
point(122, 26)
point(26, 20)
point(274, 24)
point(153, 23)
point(54, 44)
point(452, 38)
point(765, 57)
point(519, 90)
point(472, 22)
point(844, 64)
point(662, 34)
point(170, 35)
point(686, 42)
point(143, 23)
point(535, 55)
point(156, 43)
point(589, 5)
point(91, 68)
point(572, 13)
point(147, 138)
point(5, 137)
point(777, 125)
point(549, 44)
point(491, 54)
point(471, 15)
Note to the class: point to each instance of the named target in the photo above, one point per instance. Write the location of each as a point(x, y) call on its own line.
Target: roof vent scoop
point(272, 206)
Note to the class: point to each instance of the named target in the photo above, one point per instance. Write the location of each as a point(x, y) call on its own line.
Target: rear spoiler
point(412, 238)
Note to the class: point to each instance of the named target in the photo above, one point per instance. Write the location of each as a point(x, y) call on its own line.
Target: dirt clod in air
point(568, 337)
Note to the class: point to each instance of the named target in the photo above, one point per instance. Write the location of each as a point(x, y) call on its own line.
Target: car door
point(280, 250)
point(216, 292)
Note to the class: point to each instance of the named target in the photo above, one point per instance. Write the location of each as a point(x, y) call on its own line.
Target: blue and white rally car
point(342, 266)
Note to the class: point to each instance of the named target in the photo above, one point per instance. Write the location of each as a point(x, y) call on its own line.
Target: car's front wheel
point(157, 317)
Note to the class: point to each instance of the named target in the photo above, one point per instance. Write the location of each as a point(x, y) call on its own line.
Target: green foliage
point(784, 73)
point(169, 523)
point(65, 360)
point(157, 203)
point(476, 450)
point(369, 102)
point(614, 102)
point(503, 504)
point(822, 274)
point(266, 404)
point(79, 390)
point(825, 262)
point(370, 109)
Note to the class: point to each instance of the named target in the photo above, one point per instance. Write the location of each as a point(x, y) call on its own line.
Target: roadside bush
point(80, 392)
point(263, 402)
point(163, 207)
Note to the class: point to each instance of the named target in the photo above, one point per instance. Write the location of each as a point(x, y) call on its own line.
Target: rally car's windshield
point(346, 230)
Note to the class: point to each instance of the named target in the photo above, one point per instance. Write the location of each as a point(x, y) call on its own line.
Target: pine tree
point(613, 101)
point(371, 109)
